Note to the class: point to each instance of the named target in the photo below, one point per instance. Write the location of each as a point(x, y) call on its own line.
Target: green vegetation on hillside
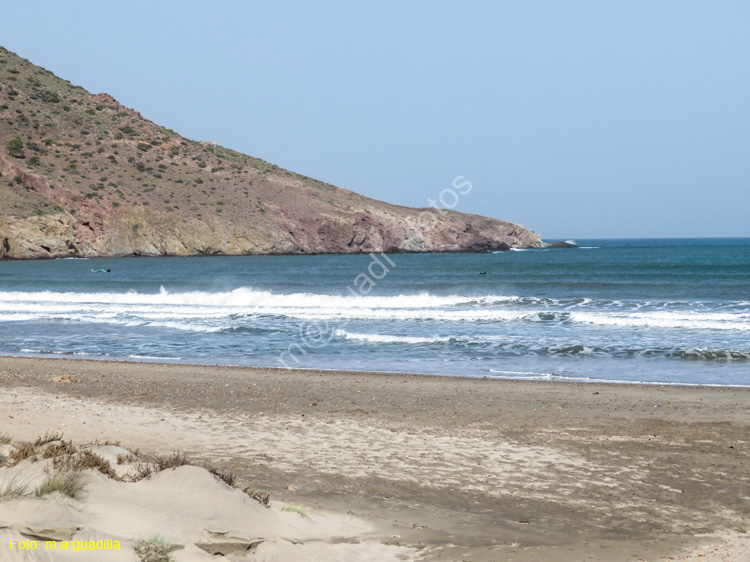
point(101, 150)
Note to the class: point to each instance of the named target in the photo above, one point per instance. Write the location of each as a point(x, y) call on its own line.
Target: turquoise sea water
point(669, 311)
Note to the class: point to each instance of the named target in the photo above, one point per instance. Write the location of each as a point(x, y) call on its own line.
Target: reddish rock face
point(98, 179)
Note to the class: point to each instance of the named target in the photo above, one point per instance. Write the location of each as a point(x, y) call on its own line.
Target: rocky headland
point(82, 175)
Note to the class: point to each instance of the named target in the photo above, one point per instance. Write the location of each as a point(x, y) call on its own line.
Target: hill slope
point(84, 176)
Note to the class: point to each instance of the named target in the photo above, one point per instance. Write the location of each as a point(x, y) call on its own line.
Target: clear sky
point(574, 118)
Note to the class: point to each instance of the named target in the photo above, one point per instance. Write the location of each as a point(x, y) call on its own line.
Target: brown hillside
point(83, 175)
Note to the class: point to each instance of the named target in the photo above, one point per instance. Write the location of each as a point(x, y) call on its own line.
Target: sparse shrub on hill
point(15, 148)
point(49, 97)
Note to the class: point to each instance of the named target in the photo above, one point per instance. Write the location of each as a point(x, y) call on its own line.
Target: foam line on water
point(212, 311)
point(561, 377)
point(385, 338)
point(246, 297)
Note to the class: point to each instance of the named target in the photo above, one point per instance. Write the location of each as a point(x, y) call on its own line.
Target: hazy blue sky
point(573, 118)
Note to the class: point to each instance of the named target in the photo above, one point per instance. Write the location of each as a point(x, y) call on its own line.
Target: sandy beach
point(413, 467)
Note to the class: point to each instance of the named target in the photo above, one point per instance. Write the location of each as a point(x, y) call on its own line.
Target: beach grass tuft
point(295, 509)
point(170, 461)
point(262, 498)
point(4, 438)
point(48, 438)
point(23, 452)
point(14, 488)
point(84, 459)
point(69, 484)
point(105, 443)
point(142, 470)
point(153, 549)
point(227, 477)
point(58, 448)
point(127, 459)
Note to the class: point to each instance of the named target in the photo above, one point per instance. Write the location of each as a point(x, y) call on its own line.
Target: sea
point(668, 311)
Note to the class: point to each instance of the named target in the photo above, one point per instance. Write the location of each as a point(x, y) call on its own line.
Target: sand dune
point(187, 507)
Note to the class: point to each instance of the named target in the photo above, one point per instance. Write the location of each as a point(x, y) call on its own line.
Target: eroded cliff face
point(89, 177)
point(150, 233)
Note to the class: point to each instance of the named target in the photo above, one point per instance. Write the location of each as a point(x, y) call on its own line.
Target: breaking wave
point(216, 311)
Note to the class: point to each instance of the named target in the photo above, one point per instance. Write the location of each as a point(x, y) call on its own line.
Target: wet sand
point(462, 469)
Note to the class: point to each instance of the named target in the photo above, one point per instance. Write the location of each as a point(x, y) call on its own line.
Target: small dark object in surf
point(481, 273)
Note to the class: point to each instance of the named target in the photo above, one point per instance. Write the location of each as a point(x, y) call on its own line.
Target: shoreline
point(457, 468)
point(544, 246)
point(389, 252)
point(560, 380)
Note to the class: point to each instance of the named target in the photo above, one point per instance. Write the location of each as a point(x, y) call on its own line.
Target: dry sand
point(398, 467)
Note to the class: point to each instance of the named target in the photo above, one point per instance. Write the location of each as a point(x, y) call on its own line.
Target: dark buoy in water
point(481, 273)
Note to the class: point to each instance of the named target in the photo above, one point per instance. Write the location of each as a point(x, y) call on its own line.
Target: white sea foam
point(243, 297)
point(522, 373)
point(53, 352)
point(187, 327)
point(154, 358)
point(383, 338)
point(203, 311)
point(685, 320)
point(569, 378)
